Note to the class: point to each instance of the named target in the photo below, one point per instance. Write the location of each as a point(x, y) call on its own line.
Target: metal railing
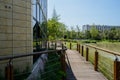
point(104, 60)
point(9, 75)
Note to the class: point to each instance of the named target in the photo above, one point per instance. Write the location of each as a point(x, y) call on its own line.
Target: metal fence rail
point(9, 75)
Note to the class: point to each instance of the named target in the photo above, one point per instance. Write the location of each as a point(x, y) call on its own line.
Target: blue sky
point(80, 12)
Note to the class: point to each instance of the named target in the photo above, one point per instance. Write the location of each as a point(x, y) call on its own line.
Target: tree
point(117, 34)
point(56, 29)
point(62, 30)
point(94, 32)
point(112, 34)
point(73, 33)
point(78, 31)
point(87, 35)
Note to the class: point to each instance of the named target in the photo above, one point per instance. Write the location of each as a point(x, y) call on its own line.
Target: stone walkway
point(80, 69)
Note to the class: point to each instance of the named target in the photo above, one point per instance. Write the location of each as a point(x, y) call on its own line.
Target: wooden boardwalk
point(80, 69)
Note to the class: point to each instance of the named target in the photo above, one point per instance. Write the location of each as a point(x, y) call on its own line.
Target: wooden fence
point(85, 51)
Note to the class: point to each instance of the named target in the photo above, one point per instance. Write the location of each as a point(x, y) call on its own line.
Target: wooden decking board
point(81, 69)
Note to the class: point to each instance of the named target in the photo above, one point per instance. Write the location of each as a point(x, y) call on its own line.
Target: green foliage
point(21, 75)
point(87, 35)
point(56, 29)
point(53, 68)
point(73, 33)
point(112, 35)
point(94, 32)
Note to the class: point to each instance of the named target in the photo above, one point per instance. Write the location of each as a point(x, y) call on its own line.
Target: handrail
point(99, 62)
point(30, 54)
point(105, 50)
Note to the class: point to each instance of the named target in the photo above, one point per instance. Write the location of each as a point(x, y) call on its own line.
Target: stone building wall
point(16, 35)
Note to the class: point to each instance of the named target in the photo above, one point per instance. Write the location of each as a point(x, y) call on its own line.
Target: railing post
point(63, 63)
point(9, 71)
point(55, 45)
point(70, 45)
point(48, 44)
point(116, 70)
point(87, 53)
point(62, 46)
point(96, 61)
point(79, 48)
point(82, 50)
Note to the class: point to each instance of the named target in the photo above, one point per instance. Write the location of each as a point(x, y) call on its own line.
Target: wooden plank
point(81, 69)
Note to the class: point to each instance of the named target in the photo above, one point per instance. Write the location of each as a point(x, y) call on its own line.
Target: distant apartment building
point(98, 27)
point(16, 29)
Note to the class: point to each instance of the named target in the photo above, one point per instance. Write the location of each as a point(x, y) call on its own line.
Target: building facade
point(40, 22)
point(16, 29)
point(98, 27)
point(39, 10)
point(16, 32)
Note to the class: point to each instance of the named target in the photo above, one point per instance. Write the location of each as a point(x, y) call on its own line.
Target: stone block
point(5, 37)
point(7, 22)
point(29, 24)
point(19, 43)
point(5, 6)
point(29, 36)
point(19, 9)
point(21, 3)
point(5, 29)
point(19, 37)
point(5, 14)
point(5, 44)
point(6, 1)
point(29, 43)
point(5, 51)
point(22, 64)
point(19, 23)
point(28, 11)
point(29, 18)
point(30, 1)
point(29, 49)
point(29, 5)
point(19, 16)
point(19, 30)
point(29, 30)
point(19, 50)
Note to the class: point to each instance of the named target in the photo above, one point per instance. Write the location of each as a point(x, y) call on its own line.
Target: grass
point(73, 46)
point(105, 63)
